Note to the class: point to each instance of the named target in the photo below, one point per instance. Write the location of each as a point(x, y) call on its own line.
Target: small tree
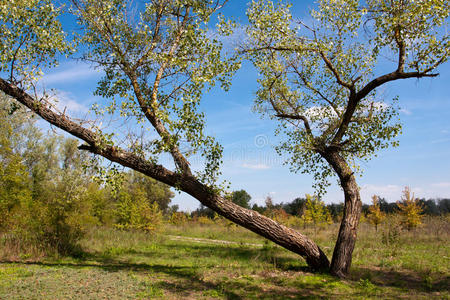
point(178, 218)
point(280, 215)
point(375, 216)
point(46, 203)
point(14, 186)
point(315, 212)
point(410, 209)
point(153, 190)
point(136, 212)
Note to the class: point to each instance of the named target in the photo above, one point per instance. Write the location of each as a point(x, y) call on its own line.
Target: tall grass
point(387, 264)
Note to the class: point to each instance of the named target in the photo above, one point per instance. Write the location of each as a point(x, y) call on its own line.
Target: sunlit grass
point(136, 265)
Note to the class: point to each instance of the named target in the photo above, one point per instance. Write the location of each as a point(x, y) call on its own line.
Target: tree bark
point(252, 220)
point(345, 243)
point(284, 236)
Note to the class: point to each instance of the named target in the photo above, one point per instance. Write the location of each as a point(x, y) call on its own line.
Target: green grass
point(134, 265)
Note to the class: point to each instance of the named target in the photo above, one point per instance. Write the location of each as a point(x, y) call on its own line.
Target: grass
point(135, 265)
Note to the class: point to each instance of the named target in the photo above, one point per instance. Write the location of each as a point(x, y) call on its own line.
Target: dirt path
point(209, 241)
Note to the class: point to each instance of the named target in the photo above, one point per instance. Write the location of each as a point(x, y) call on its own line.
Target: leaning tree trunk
point(345, 243)
point(284, 236)
point(252, 220)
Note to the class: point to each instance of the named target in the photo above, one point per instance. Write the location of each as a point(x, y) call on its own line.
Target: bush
point(46, 227)
point(137, 212)
point(178, 218)
point(410, 209)
point(44, 202)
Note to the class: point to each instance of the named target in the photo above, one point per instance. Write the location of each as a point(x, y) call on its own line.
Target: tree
point(315, 212)
point(410, 209)
point(444, 206)
point(140, 202)
point(134, 211)
point(387, 207)
point(336, 210)
point(429, 206)
point(157, 64)
point(45, 201)
point(295, 207)
point(375, 215)
point(14, 183)
point(241, 198)
point(320, 80)
point(153, 190)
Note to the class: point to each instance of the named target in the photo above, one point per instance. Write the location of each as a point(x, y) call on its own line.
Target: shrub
point(137, 212)
point(410, 209)
point(316, 213)
point(178, 218)
point(375, 215)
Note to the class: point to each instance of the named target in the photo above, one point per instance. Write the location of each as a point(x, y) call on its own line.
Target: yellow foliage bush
point(204, 220)
point(410, 210)
point(178, 218)
point(137, 212)
point(375, 216)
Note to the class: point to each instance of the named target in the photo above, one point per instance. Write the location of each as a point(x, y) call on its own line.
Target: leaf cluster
point(31, 37)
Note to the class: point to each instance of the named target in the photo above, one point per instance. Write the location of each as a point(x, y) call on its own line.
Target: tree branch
point(401, 50)
point(308, 85)
point(369, 87)
point(331, 67)
point(153, 42)
point(297, 117)
point(92, 139)
point(149, 112)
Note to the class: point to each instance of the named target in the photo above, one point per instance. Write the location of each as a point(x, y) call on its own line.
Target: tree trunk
point(252, 220)
point(345, 243)
point(284, 236)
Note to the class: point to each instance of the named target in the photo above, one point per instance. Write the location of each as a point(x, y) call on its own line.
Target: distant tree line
point(296, 207)
point(432, 207)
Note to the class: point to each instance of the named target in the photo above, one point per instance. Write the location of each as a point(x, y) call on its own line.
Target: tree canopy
point(319, 76)
point(241, 198)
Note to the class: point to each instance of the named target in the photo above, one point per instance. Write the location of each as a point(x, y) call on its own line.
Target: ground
point(191, 262)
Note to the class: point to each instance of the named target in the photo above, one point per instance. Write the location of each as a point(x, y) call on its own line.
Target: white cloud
point(394, 192)
point(439, 141)
point(390, 192)
point(65, 102)
point(405, 111)
point(328, 111)
point(320, 111)
point(388, 189)
point(379, 105)
point(445, 184)
point(255, 166)
point(69, 73)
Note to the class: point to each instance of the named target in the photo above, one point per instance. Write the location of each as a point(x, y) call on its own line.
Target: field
point(198, 261)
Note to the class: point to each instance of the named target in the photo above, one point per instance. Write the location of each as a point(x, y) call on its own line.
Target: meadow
point(222, 261)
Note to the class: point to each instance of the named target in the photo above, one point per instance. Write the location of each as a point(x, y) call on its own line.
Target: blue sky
point(250, 162)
